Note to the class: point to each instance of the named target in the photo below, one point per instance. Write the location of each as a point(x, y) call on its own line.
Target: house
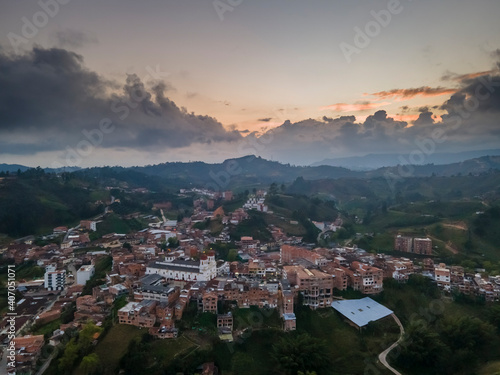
point(290, 254)
point(442, 275)
point(209, 301)
point(84, 274)
point(28, 350)
point(88, 225)
point(139, 314)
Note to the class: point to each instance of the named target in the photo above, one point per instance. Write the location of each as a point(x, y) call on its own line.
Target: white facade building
point(84, 274)
point(188, 270)
point(54, 280)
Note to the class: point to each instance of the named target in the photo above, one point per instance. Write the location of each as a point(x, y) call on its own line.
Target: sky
point(108, 82)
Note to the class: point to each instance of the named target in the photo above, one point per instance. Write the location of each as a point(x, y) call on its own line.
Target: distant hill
point(37, 202)
point(13, 168)
point(253, 171)
point(375, 161)
point(245, 171)
point(472, 166)
point(486, 185)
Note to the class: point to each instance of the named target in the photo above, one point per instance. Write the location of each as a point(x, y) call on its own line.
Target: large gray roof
point(361, 311)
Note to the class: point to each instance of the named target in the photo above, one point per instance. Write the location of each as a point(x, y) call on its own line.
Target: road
point(69, 232)
point(47, 362)
point(163, 216)
point(382, 357)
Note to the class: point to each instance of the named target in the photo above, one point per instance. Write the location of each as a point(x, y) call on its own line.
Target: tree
point(493, 315)
point(69, 357)
point(273, 189)
point(232, 255)
point(86, 336)
point(242, 363)
point(90, 363)
point(421, 347)
point(68, 313)
point(173, 242)
point(302, 353)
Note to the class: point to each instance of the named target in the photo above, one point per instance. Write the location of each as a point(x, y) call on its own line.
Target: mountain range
point(253, 170)
point(375, 161)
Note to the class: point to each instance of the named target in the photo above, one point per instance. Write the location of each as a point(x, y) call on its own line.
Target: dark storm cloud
point(49, 94)
point(425, 118)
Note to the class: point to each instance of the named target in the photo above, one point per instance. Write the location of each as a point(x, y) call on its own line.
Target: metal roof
point(361, 311)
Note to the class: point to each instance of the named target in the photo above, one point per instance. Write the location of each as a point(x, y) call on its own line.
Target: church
point(187, 270)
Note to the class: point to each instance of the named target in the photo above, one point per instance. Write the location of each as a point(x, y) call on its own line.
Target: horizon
point(487, 153)
point(211, 82)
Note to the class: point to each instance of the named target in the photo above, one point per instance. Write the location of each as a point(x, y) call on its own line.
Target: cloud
point(469, 122)
point(356, 107)
point(267, 119)
point(449, 76)
point(407, 94)
point(49, 99)
point(73, 39)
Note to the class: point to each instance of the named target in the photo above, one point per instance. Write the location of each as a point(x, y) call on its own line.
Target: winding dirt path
point(382, 357)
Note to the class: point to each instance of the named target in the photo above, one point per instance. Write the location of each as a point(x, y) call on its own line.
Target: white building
point(442, 275)
point(84, 274)
point(188, 270)
point(255, 203)
point(54, 280)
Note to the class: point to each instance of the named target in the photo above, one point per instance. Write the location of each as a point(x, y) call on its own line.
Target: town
point(157, 272)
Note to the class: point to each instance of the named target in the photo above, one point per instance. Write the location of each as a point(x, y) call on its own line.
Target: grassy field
point(350, 349)
point(453, 210)
point(492, 368)
point(48, 328)
point(290, 229)
point(114, 346)
point(166, 350)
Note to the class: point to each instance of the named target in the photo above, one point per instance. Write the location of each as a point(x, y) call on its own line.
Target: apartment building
point(365, 278)
point(290, 321)
point(422, 246)
point(53, 279)
point(209, 301)
point(316, 286)
point(403, 243)
point(139, 314)
point(442, 275)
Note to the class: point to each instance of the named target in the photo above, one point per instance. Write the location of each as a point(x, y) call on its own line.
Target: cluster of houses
point(161, 282)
